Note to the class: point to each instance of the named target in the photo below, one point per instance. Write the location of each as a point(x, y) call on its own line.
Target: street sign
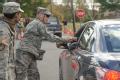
point(80, 13)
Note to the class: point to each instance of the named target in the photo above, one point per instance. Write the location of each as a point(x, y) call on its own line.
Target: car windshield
point(112, 37)
point(52, 20)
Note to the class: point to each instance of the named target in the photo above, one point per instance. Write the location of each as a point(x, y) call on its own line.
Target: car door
point(87, 45)
point(64, 66)
point(68, 64)
point(69, 59)
point(73, 62)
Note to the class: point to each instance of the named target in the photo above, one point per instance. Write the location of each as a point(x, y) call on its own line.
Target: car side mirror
point(73, 45)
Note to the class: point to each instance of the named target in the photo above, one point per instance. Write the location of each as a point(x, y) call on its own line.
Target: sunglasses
point(48, 16)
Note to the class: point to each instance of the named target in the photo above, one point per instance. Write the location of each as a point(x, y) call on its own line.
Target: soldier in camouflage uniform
point(12, 14)
point(29, 49)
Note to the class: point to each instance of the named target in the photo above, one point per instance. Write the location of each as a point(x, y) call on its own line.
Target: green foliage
point(108, 6)
point(62, 12)
point(67, 13)
point(1, 3)
point(29, 6)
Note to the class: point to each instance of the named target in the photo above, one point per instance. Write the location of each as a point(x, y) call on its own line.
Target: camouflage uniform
point(7, 52)
point(29, 49)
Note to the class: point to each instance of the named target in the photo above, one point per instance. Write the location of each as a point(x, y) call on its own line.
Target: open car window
point(86, 35)
point(79, 32)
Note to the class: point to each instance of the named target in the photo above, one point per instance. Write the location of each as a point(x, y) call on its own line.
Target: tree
point(29, 6)
point(56, 10)
point(1, 4)
point(109, 6)
point(105, 5)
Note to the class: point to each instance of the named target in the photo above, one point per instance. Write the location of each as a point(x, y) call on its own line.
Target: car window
point(112, 37)
point(85, 37)
point(78, 33)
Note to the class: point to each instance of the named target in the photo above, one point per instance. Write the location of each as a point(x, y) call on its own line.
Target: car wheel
point(60, 71)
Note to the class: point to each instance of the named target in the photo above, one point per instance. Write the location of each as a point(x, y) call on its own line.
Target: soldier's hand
point(71, 39)
point(61, 45)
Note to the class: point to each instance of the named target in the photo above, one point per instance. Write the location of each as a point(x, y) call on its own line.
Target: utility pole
point(73, 16)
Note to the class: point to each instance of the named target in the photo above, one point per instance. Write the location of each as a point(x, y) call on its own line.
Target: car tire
point(60, 71)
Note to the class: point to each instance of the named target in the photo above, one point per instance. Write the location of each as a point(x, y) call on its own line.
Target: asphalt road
point(49, 66)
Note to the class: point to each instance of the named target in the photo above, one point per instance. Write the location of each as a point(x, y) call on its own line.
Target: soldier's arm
point(3, 40)
point(49, 36)
point(54, 38)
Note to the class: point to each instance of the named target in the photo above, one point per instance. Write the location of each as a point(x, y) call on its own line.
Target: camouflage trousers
point(26, 66)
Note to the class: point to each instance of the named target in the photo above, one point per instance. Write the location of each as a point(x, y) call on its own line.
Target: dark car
point(96, 54)
point(54, 26)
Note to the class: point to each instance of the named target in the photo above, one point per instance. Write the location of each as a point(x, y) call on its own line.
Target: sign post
point(73, 16)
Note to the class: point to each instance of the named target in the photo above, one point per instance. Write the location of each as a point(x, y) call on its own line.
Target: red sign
point(80, 13)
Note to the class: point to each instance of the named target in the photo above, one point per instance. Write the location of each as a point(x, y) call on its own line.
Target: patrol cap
point(11, 7)
point(41, 9)
point(48, 13)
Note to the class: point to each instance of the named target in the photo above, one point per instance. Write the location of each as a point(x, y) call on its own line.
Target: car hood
point(107, 56)
point(50, 25)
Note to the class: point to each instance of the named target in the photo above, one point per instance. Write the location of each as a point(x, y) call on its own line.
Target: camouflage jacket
point(7, 56)
point(35, 31)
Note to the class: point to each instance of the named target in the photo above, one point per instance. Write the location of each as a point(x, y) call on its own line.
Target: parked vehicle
point(96, 54)
point(54, 26)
